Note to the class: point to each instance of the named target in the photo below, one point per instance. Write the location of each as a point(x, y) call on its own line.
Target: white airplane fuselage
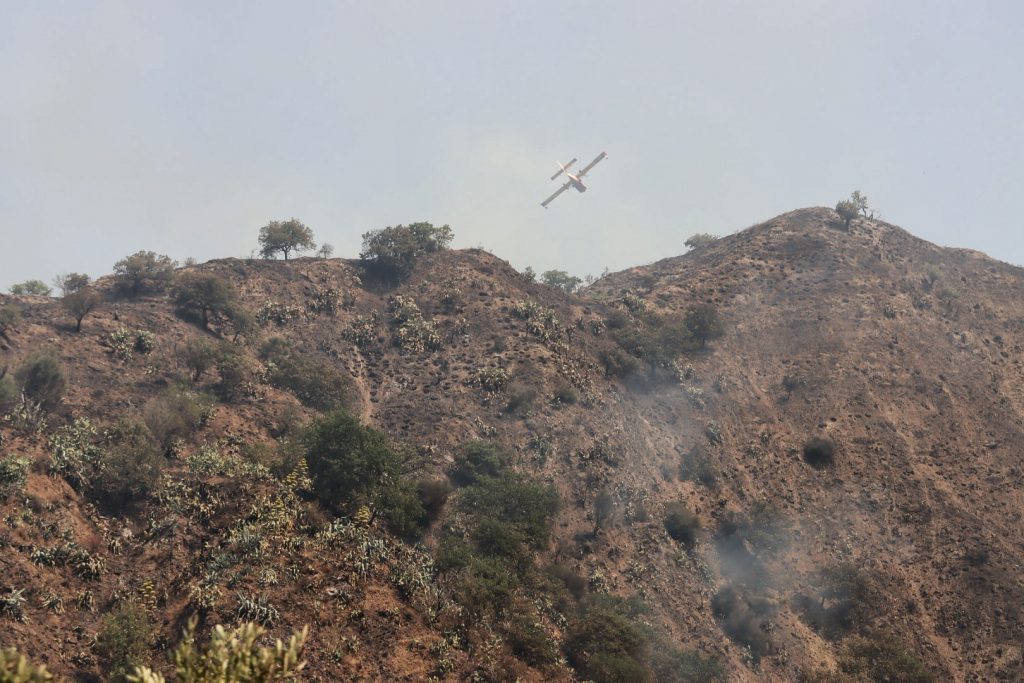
point(577, 183)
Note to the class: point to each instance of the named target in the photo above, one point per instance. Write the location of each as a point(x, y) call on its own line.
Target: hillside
point(904, 356)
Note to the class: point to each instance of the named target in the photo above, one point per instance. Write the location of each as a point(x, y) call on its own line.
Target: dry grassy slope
point(924, 399)
point(925, 406)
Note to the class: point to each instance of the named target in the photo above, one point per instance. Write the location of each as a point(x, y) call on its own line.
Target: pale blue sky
point(182, 127)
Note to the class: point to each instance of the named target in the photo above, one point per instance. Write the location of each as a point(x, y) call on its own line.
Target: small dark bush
point(205, 297)
point(42, 379)
point(479, 459)
point(233, 371)
point(681, 524)
point(176, 414)
point(819, 453)
point(703, 323)
point(847, 600)
point(9, 393)
point(10, 316)
point(197, 355)
point(617, 320)
point(698, 466)
point(496, 538)
point(124, 641)
point(744, 620)
point(521, 399)
point(617, 363)
point(433, 495)
point(573, 582)
point(399, 505)
point(565, 394)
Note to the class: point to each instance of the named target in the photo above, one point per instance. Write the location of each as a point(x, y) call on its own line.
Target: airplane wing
point(564, 168)
point(559, 191)
point(592, 164)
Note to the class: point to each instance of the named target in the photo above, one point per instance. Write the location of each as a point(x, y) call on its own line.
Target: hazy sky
point(182, 127)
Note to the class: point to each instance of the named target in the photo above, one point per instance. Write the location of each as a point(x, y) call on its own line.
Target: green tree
point(207, 296)
point(81, 303)
point(124, 641)
point(69, 283)
point(703, 323)
point(391, 253)
point(353, 465)
point(325, 250)
point(701, 239)
point(561, 280)
point(284, 237)
point(143, 272)
point(36, 287)
point(42, 379)
point(847, 211)
point(860, 201)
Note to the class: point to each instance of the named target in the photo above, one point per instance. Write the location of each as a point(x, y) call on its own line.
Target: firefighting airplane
point(574, 180)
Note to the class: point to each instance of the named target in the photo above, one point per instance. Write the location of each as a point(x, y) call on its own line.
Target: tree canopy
point(562, 280)
point(284, 237)
point(391, 253)
point(37, 287)
point(143, 272)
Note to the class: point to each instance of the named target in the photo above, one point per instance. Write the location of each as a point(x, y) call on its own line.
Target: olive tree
point(143, 272)
point(703, 323)
point(284, 237)
point(205, 296)
point(701, 239)
point(81, 303)
point(391, 253)
point(561, 280)
point(69, 283)
point(37, 287)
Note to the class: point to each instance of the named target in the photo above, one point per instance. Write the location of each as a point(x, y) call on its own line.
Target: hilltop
point(899, 527)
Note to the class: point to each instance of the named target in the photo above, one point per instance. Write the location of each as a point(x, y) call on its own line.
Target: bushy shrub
point(527, 638)
point(485, 585)
point(703, 323)
point(317, 385)
point(516, 499)
point(819, 453)
point(606, 645)
point(9, 393)
point(233, 656)
point(233, 370)
point(391, 253)
point(13, 475)
point(354, 465)
point(10, 316)
point(478, 459)
point(144, 272)
point(205, 297)
point(130, 466)
point(565, 394)
point(124, 641)
point(697, 465)
point(433, 495)
point(16, 668)
point(33, 287)
point(42, 379)
point(700, 239)
point(560, 279)
point(69, 283)
point(618, 363)
point(847, 211)
point(521, 399)
point(176, 414)
point(690, 666)
point(681, 524)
